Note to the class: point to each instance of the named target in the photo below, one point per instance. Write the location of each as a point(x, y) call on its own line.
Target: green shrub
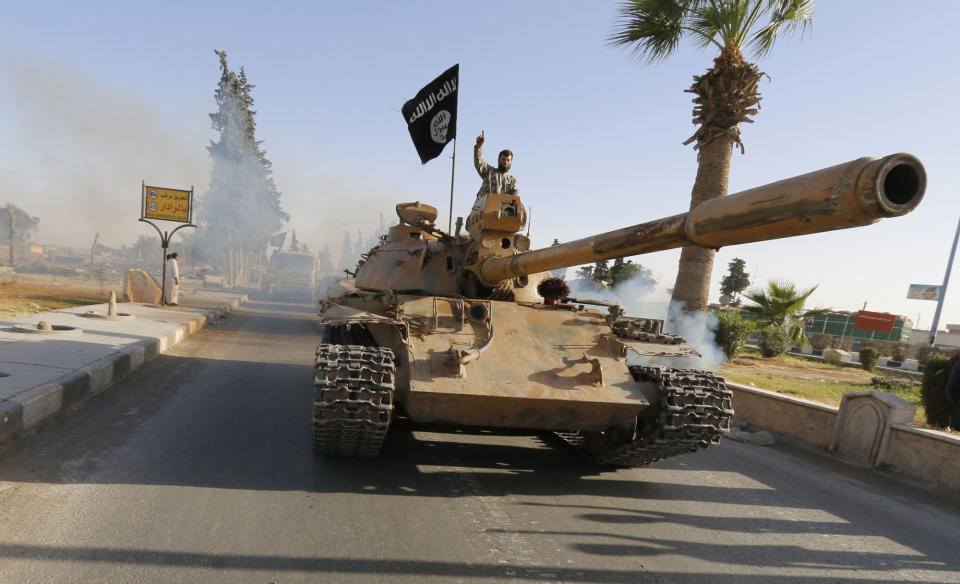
point(869, 357)
point(774, 341)
point(925, 352)
point(899, 351)
point(934, 394)
point(888, 348)
point(732, 332)
point(820, 341)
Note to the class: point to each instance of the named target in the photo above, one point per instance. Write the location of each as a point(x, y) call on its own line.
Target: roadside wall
point(925, 455)
point(798, 418)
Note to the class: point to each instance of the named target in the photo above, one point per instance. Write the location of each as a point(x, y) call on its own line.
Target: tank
point(450, 328)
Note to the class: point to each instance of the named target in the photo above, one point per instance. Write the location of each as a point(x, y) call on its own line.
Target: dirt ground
point(31, 293)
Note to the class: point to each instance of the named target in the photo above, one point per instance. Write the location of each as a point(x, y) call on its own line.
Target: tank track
point(695, 411)
point(352, 399)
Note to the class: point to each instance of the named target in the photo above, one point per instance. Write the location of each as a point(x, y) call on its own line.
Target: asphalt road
point(198, 468)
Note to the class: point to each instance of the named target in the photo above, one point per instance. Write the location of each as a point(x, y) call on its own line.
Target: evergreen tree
point(242, 207)
point(735, 282)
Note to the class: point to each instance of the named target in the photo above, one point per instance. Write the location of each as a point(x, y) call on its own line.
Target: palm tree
point(726, 94)
point(781, 305)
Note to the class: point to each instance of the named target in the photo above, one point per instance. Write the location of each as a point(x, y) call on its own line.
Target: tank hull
point(542, 367)
point(534, 366)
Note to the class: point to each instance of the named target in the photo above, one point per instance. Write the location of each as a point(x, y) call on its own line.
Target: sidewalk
point(43, 372)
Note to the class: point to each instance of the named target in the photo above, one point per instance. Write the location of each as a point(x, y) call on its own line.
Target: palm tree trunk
point(692, 287)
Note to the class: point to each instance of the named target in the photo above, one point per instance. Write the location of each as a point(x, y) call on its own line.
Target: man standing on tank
point(495, 180)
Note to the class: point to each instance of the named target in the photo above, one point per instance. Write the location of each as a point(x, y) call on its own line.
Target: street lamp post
point(943, 289)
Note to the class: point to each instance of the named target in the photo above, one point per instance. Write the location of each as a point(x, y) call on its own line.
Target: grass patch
point(817, 381)
point(819, 390)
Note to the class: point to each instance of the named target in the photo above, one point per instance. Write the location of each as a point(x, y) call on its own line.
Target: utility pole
point(13, 231)
point(943, 289)
point(93, 250)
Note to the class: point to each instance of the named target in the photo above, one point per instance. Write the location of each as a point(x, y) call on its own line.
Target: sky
point(97, 97)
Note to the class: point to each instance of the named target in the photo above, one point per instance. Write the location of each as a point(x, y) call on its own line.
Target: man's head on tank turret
point(504, 160)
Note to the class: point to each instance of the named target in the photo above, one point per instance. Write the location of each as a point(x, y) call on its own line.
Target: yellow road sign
point(167, 204)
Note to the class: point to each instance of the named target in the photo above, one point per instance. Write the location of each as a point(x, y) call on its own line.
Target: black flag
point(432, 115)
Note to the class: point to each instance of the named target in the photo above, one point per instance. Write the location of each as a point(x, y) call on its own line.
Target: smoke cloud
point(79, 148)
point(639, 299)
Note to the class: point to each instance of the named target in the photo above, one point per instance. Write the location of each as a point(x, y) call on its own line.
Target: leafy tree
point(601, 273)
point(725, 96)
point(622, 270)
point(782, 305)
point(603, 276)
point(242, 207)
point(735, 282)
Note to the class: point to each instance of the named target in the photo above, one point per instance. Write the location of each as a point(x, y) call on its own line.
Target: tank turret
point(416, 256)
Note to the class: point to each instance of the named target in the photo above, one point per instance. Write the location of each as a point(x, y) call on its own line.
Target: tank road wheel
point(695, 411)
point(352, 399)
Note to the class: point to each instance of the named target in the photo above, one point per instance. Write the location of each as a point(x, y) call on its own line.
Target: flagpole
point(453, 166)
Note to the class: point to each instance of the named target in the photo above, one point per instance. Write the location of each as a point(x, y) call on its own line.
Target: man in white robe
point(171, 281)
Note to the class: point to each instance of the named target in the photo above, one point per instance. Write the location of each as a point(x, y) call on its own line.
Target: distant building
point(842, 324)
point(947, 340)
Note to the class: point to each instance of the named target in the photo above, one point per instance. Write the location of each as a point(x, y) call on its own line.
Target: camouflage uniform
point(494, 181)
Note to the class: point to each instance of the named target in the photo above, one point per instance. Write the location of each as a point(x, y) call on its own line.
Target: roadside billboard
point(924, 292)
point(167, 204)
point(880, 322)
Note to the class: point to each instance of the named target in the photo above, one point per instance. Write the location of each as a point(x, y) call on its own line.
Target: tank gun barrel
point(853, 194)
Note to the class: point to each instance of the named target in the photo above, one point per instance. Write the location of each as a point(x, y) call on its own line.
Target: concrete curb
point(35, 405)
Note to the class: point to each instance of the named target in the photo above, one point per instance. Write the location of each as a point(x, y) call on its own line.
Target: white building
point(948, 339)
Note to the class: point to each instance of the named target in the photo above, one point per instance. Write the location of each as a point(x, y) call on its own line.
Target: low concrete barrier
point(868, 431)
point(798, 418)
point(139, 286)
point(923, 454)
